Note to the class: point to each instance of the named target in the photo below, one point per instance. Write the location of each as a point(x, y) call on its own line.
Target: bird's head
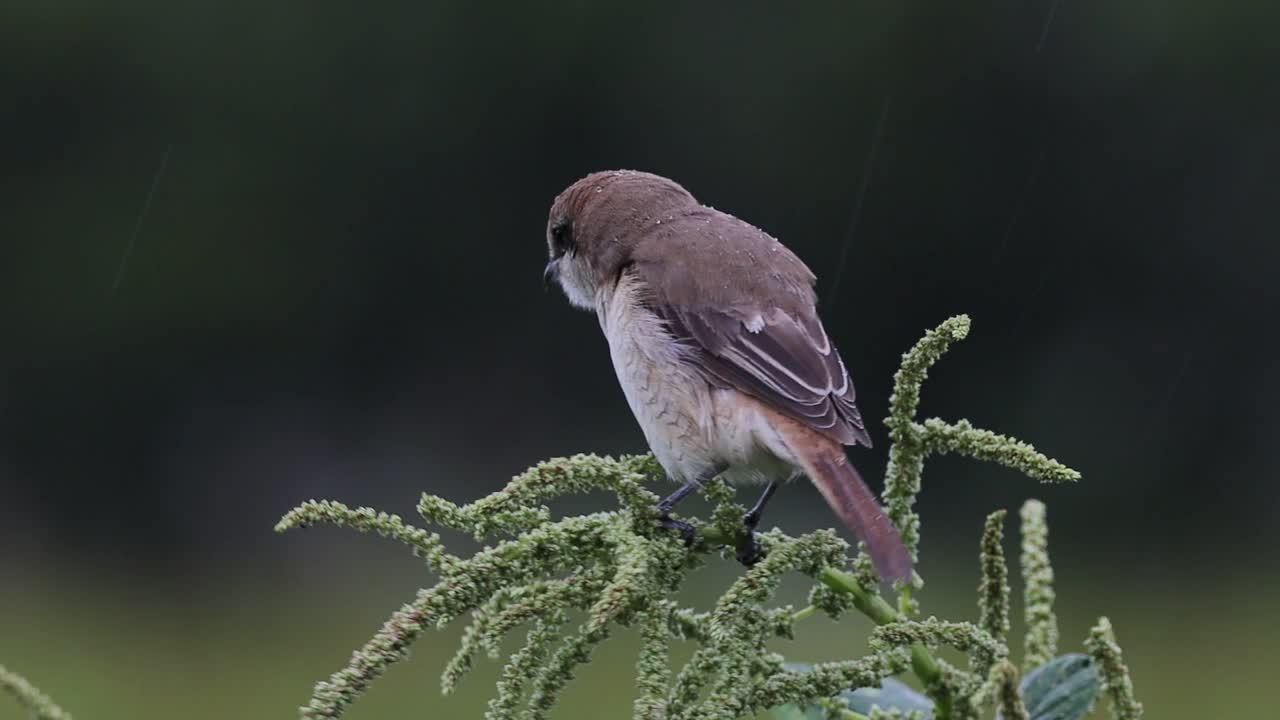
point(597, 221)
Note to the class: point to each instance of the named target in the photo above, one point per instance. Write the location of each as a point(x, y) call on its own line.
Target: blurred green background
point(256, 253)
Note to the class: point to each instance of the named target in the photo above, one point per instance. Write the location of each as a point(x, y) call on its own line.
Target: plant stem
point(882, 613)
point(803, 613)
point(870, 604)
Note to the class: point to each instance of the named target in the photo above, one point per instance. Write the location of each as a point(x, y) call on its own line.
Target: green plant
point(37, 704)
point(619, 569)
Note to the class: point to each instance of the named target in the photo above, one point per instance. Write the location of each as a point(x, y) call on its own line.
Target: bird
point(714, 335)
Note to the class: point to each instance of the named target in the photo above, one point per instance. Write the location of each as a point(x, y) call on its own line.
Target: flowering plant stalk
point(37, 705)
point(619, 568)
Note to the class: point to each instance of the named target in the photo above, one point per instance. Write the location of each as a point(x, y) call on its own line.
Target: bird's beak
point(550, 273)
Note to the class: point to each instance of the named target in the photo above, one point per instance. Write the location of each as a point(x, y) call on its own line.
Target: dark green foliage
point(1064, 688)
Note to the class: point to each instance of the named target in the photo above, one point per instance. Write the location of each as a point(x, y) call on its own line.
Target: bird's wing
point(751, 319)
point(783, 361)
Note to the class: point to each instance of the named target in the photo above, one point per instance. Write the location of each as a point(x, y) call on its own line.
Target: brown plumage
point(715, 336)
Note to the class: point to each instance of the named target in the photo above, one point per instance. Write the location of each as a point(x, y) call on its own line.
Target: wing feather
point(783, 363)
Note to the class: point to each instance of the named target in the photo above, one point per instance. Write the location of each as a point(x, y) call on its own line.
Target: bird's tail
point(829, 469)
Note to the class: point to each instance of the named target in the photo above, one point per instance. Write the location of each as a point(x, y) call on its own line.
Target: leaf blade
point(1064, 688)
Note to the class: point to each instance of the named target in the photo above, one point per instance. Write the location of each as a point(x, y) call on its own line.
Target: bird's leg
point(752, 518)
point(749, 554)
point(667, 504)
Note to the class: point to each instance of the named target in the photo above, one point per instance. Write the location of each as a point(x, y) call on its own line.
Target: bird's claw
point(749, 552)
point(687, 531)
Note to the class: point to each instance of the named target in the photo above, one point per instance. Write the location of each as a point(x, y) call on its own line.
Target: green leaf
point(1062, 689)
point(892, 694)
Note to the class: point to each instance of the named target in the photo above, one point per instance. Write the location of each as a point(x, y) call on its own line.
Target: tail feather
point(851, 499)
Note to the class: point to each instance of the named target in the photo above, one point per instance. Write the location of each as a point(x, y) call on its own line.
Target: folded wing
point(785, 361)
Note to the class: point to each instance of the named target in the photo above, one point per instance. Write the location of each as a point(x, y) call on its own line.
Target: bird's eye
point(562, 238)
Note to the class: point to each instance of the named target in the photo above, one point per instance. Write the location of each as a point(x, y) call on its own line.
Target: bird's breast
point(668, 396)
point(690, 425)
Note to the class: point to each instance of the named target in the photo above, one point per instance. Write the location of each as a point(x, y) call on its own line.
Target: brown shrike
point(716, 341)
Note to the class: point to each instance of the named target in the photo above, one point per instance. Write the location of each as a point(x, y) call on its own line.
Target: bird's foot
point(687, 531)
point(749, 551)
